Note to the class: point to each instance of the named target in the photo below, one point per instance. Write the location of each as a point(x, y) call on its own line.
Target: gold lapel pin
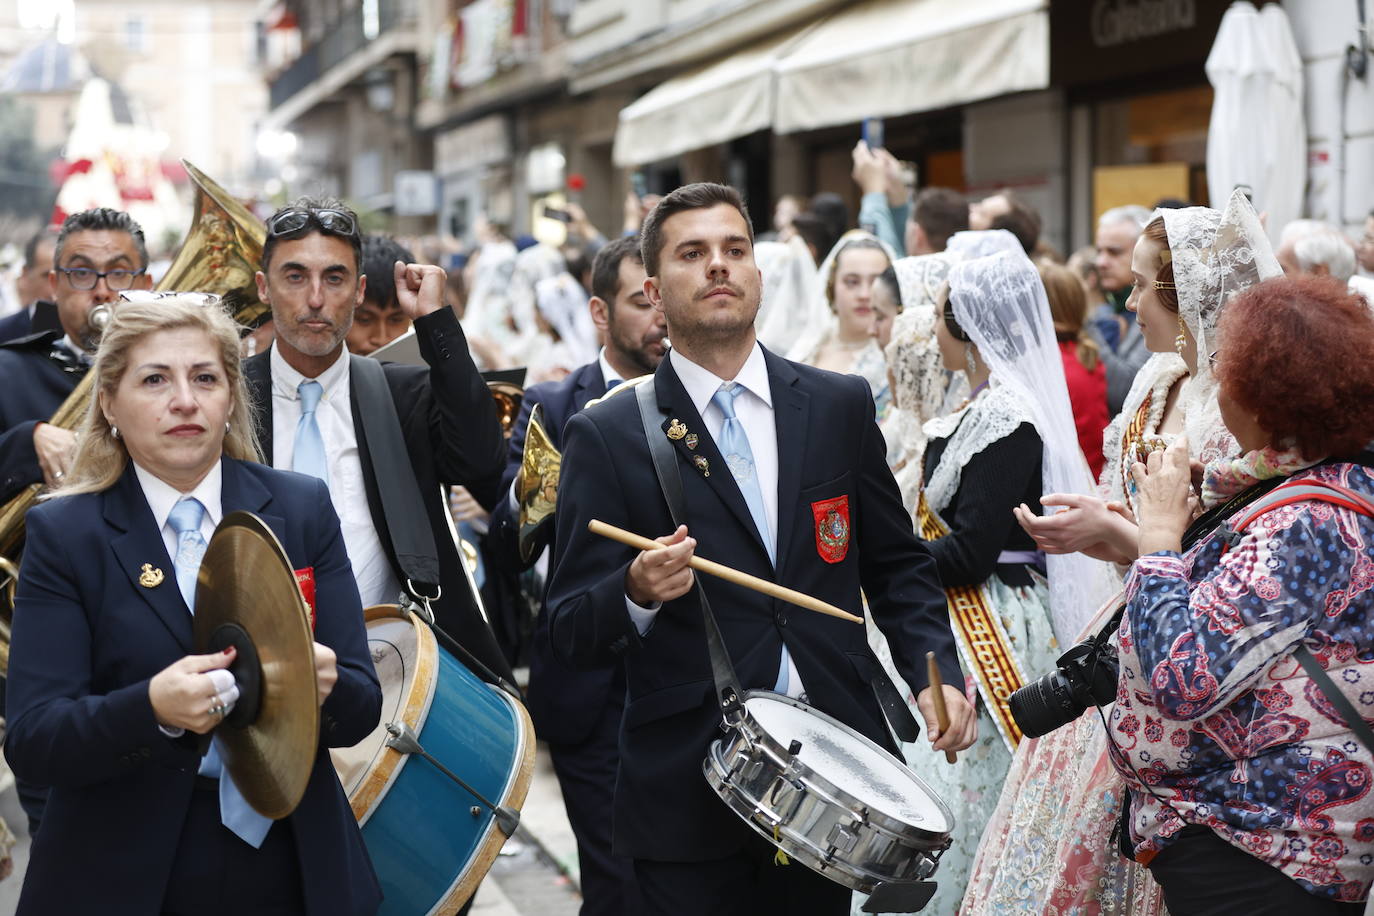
point(692, 440)
point(150, 577)
point(676, 429)
point(702, 464)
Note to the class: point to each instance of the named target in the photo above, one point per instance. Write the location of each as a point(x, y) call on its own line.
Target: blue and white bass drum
point(437, 787)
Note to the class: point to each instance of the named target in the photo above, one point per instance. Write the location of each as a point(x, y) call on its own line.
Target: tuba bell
point(219, 255)
point(536, 483)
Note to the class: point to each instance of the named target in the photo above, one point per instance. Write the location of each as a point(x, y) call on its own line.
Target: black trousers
point(218, 874)
point(748, 883)
point(586, 775)
point(1203, 875)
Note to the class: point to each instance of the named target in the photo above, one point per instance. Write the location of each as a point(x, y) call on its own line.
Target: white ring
point(58, 475)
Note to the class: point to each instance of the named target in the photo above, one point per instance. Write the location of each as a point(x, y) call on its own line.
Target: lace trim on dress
point(992, 415)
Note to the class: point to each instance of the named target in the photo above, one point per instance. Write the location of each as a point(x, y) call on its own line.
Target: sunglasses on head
point(296, 219)
point(190, 298)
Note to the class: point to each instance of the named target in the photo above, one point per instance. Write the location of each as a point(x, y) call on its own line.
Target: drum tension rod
point(404, 740)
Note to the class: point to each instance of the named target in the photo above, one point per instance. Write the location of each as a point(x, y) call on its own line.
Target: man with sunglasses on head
point(99, 253)
point(307, 396)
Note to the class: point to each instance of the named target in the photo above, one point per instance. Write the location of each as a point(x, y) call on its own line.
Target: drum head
point(399, 649)
point(850, 762)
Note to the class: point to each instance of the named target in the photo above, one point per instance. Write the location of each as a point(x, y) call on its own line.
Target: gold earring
point(1181, 341)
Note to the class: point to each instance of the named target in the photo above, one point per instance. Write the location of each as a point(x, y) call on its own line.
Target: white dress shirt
point(377, 583)
point(162, 496)
point(754, 409)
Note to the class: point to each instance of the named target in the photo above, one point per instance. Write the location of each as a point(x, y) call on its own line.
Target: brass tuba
point(220, 255)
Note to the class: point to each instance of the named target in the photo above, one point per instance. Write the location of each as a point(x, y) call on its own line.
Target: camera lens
point(1045, 704)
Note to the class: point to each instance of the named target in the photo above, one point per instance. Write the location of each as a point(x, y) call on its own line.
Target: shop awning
point(720, 101)
point(880, 58)
point(885, 58)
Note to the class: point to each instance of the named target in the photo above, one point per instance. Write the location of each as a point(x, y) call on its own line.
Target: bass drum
point(430, 840)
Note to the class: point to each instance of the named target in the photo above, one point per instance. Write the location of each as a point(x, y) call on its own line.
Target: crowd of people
point(1154, 454)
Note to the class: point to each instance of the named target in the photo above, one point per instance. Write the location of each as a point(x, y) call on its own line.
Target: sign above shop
point(1099, 41)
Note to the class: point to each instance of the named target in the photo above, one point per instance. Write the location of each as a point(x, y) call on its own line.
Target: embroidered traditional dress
point(1047, 849)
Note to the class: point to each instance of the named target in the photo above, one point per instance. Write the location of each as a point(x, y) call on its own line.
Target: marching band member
point(105, 699)
point(306, 409)
point(804, 497)
point(578, 711)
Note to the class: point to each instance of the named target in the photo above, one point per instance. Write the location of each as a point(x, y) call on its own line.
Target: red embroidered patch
point(832, 528)
point(305, 578)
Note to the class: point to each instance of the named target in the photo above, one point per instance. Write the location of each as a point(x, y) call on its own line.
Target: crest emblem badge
point(831, 518)
point(692, 440)
point(702, 464)
point(676, 429)
point(150, 577)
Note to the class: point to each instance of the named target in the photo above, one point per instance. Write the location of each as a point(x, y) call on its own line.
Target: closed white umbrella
point(1258, 135)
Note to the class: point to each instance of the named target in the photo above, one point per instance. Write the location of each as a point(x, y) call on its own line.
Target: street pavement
point(535, 875)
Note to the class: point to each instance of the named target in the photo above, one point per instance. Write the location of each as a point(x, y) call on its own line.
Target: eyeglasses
point(84, 279)
point(190, 298)
point(295, 219)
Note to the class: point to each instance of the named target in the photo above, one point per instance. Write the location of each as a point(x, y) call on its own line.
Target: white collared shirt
point(754, 409)
point(377, 583)
point(607, 370)
point(162, 496)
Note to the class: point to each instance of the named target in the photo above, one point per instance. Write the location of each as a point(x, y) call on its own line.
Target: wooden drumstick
point(772, 589)
point(937, 694)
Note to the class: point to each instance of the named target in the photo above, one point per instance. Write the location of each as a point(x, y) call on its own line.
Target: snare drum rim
point(876, 817)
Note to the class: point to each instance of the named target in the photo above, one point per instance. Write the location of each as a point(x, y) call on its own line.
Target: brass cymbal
point(247, 594)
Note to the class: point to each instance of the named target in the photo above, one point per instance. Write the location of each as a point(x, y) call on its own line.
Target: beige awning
point(884, 58)
point(879, 58)
point(711, 104)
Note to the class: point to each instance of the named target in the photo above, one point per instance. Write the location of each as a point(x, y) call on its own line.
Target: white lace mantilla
point(993, 415)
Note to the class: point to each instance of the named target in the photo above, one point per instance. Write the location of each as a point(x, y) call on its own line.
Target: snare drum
point(827, 796)
point(431, 842)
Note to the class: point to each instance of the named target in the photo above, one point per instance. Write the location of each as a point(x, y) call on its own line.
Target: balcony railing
point(359, 25)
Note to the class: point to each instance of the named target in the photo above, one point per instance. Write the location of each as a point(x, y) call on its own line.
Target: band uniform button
point(781, 618)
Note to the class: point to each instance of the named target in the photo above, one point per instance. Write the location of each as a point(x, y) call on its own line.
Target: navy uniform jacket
point(33, 386)
point(830, 455)
point(566, 703)
point(448, 421)
point(87, 640)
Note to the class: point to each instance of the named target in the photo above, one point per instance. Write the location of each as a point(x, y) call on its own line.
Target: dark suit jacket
point(828, 447)
point(566, 703)
point(22, 324)
point(452, 435)
point(88, 638)
point(34, 387)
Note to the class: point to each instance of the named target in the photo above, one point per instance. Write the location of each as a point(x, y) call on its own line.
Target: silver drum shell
point(826, 828)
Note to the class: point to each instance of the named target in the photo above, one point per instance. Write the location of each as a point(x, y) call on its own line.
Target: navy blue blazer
point(830, 454)
point(565, 703)
point(87, 640)
point(34, 386)
point(14, 326)
point(22, 324)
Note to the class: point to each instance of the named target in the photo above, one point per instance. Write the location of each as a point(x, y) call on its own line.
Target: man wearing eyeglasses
point(99, 253)
point(308, 398)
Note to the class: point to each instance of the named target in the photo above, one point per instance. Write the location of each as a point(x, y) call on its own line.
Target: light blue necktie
point(234, 810)
point(307, 455)
point(739, 458)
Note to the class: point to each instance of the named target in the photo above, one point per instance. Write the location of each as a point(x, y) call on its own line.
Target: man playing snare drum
point(803, 497)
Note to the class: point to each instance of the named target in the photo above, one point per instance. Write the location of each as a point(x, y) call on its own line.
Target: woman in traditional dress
point(1047, 849)
point(838, 334)
point(1013, 438)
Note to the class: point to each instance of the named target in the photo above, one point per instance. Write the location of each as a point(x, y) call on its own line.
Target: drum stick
point(937, 694)
point(772, 589)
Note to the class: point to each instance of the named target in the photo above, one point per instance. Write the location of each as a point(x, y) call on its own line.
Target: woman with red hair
point(1249, 789)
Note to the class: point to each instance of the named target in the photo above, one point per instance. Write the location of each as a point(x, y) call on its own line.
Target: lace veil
point(919, 377)
point(1001, 303)
point(789, 279)
point(979, 243)
point(1215, 255)
point(820, 318)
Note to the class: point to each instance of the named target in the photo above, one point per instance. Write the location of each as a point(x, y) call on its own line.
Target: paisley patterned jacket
point(1215, 724)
